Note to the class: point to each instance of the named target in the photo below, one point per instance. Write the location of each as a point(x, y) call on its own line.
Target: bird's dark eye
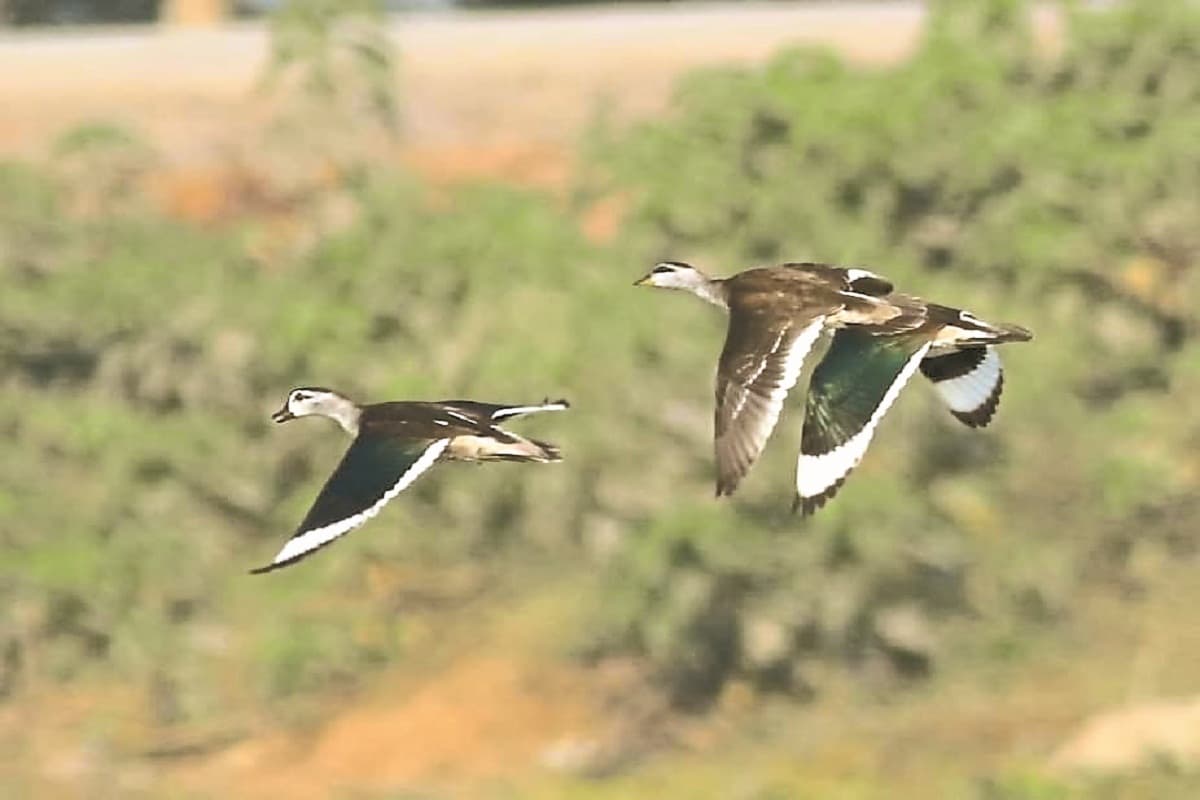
point(301, 396)
point(662, 268)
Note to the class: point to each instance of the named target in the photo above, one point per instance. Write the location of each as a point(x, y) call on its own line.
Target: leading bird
point(880, 338)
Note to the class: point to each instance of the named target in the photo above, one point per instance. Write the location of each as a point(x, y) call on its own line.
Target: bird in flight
point(880, 338)
point(394, 444)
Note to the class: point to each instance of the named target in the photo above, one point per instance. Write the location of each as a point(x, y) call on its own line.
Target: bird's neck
point(347, 414)
point(712, 290)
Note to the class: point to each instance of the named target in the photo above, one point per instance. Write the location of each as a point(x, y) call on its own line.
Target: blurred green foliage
point(140, 357)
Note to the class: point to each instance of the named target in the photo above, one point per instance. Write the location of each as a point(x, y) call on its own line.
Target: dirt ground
point(485, 717)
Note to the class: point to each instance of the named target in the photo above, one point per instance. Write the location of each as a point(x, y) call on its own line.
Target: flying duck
point(394, 443)
point(776, 317)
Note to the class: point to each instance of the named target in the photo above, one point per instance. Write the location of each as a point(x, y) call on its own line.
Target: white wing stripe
point(744, 389)
point(310, 540)
point(968, 392)
point(793, 364)
point(815, 474)
point(514, 410)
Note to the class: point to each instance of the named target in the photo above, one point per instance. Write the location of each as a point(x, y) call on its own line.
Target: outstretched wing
point(373, 471)
point(851, 389)
point(759, 365)
point(969, 381)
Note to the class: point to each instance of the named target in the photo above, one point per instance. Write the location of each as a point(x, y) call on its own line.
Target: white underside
point(318, 537)
point(968, 392)
point(815, 474)
point(517, 410)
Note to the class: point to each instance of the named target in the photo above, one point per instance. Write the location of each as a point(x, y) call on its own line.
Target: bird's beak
point(642, 281)
point(283, 415)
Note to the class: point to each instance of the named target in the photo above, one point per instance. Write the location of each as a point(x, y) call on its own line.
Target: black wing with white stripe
point(373, 471)
point(852, 388)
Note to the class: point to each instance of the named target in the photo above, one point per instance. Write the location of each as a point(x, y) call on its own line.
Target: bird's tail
point(962, 328)
point(1007, 332)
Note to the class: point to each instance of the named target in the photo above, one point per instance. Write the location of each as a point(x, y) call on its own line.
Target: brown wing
point(762, 359)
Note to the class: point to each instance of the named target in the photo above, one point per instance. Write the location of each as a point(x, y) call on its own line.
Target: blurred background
point(204, 203)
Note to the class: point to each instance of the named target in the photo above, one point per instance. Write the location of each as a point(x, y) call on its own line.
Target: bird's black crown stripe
point(668, 266)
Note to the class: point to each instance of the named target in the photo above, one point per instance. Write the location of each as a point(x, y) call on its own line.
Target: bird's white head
point(674, 275)
point(307, 401)
point(680, 275)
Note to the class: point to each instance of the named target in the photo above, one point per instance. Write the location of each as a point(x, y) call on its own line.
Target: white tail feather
point(966, 393)
point(514, 411)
